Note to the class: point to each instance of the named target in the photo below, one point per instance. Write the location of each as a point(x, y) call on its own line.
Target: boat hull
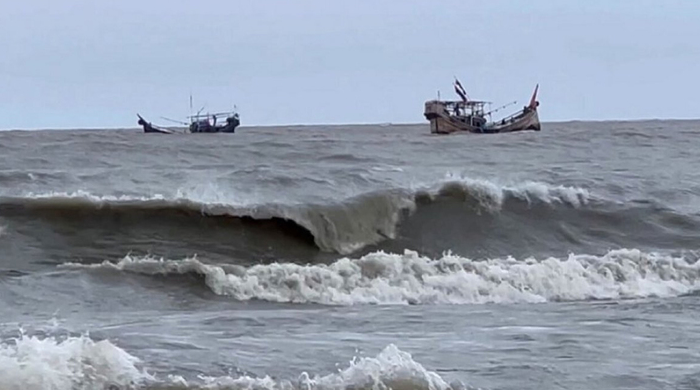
point(440, 125)
point(527, 120)
point(441, 122)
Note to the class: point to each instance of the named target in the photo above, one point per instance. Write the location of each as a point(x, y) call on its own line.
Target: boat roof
point(463, 103)
point(207, 115)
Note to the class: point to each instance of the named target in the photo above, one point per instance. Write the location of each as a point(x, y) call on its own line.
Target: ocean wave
point(392, 369)
point(70, 363)
point(342, 227)
point(408, 278)
point(77, 363)
point(11, 178)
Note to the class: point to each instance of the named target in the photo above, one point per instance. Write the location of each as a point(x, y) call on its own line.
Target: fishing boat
point(466, 115)
point(198, 123)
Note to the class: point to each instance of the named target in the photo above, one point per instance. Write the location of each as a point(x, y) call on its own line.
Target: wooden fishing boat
point(198, 123)
point(466, 115)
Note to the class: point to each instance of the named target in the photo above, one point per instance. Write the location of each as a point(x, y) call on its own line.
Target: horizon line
point(348, 124)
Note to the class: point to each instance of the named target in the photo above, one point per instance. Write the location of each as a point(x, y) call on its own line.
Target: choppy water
point(351, 257)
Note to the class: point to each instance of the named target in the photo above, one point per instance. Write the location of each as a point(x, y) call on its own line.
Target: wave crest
point(79, 363)
point(381, 278)
point(343, 227)
point(392, 368)
point(36, 363)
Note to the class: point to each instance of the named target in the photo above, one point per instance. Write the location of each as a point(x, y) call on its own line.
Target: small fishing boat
point(199, 123)
point(466, 115)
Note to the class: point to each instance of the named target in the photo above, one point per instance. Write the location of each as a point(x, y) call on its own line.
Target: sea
point(351, 257)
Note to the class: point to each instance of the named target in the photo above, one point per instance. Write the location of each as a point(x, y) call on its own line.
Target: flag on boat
point(460, 90)
point(533, 99)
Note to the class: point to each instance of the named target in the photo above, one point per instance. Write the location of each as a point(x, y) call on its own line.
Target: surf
point(342, 227)
point(381, 278)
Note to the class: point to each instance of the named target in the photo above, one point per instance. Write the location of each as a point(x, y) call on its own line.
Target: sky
point(94, 64)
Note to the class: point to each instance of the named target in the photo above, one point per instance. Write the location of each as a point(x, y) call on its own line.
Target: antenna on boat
point(190, 103)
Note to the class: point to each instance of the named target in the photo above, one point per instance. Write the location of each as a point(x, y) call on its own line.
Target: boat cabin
point(209, 123)
point(470, 112)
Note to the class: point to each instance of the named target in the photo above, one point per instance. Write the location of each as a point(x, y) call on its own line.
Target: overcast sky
point(88, 63)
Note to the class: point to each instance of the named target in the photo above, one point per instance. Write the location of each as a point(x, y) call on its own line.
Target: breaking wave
point(79, 363)
point(392, 368)
point(343, 227)
point(69, 363)
point(408, 278)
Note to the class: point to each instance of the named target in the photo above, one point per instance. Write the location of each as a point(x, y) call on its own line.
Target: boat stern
point(435, 112)
point(434, 109)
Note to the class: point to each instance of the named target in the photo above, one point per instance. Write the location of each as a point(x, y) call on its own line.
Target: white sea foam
point(79, 363)
point(75, 363)
point(408, 278)
point(493, 192)
point(392, 368)
point(212, 200)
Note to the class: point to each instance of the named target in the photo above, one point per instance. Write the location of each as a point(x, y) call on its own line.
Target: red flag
point(533, 100)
